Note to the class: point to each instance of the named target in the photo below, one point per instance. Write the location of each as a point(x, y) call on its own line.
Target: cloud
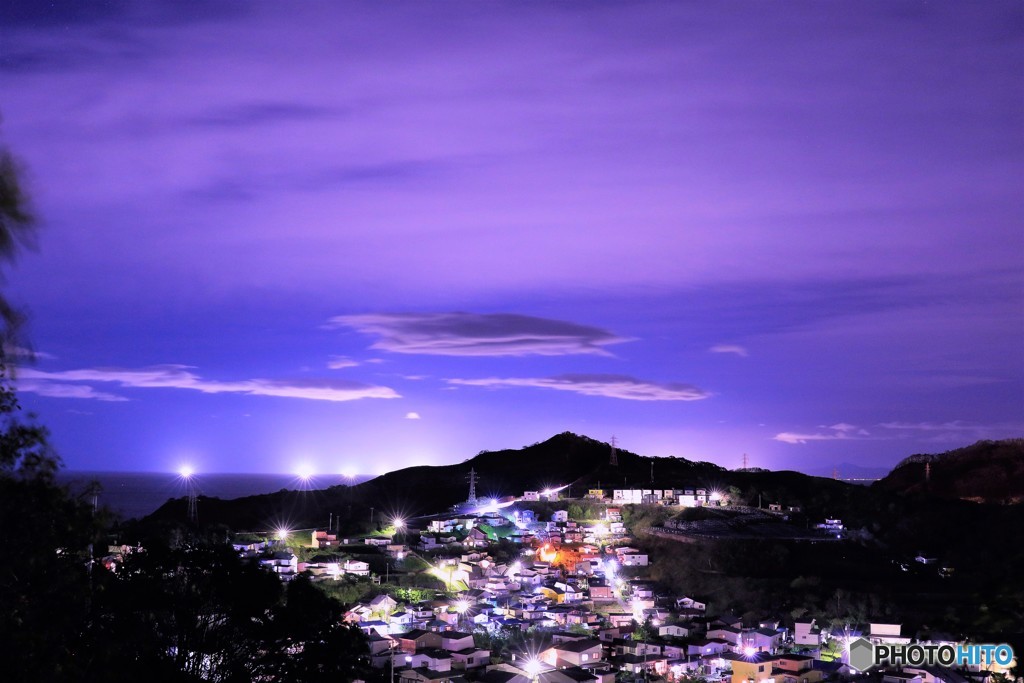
point(59, 390)
point(412, 416)
point(730, 348)
point(20, 353)
point(954, 426)
point(180, 377)
point(341, 362)
point(470, 334)
point(953, 431)
point(841, 431)
point(611, 386)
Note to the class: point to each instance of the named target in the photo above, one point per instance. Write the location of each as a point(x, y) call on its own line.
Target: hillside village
point(522, 596)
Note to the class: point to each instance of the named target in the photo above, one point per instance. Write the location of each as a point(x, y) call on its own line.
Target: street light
point(532, 668)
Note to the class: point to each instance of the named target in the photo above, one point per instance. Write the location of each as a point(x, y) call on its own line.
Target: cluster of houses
point(567, 584)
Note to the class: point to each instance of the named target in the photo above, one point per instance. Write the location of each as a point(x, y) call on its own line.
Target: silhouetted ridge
point(986, 471)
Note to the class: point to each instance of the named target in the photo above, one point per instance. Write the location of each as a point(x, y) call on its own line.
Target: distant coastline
point(136, 494)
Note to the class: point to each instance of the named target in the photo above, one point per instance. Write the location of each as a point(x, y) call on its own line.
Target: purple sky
point(372, 235)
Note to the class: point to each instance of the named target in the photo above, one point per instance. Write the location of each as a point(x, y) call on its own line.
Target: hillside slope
point(987, 471)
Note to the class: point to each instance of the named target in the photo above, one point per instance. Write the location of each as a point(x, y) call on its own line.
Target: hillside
point(987, 471)
point(566, 459)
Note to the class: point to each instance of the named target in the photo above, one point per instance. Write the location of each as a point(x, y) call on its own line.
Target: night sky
point(371, 235)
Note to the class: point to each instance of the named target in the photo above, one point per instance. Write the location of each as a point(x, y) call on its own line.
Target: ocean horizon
point(137, 494)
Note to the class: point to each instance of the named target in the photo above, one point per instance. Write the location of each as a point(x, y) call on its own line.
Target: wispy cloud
point(20, 353)
point(954, 431)
point(611, 386)
point(181, 377)
point(954, 426)
point(61, 390)
point(730, 348)
point(470, 334)
point(341, 362)
point(412, 415)
point(841, 431)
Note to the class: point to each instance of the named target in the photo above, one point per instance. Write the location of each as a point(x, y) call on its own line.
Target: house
point(886, 634)
point(383, 604)
point(613, 514)
point(795, 669)
point(600, 590)
point(418, 639)
point(750, 669)
point(807, 633)
point(356, 568)
point(560, 516)
point(283, 563)
point(633, 559)
point(727, 633)
point(762, 640)
point(689, 603)
point(574, 653)
point(425, 675)
point(674, 631)
point(708, 646)
point(531, 496)
point(323, 539)
point(453, 641)
point(430, 658)
point(471, 658)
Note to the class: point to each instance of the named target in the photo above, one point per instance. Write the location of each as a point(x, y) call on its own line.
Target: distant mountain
point(849, 470)
point(987, 471)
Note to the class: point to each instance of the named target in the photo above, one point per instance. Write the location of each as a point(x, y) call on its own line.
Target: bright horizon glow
point(304, 472)
point(186, 471)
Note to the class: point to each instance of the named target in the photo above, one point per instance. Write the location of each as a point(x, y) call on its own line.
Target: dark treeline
point(187, 608)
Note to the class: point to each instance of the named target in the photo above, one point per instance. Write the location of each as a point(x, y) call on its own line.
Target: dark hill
point(987, 471)
point(566, 459)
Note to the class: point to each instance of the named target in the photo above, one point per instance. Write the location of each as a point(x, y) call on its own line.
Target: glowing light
point(186, 472)
point(716, 495)
point(547, 554)
point(398, 523)
point(282, 533)
point(348, 473)
point(532, 667)
point(304, 472)
point(517, 567)
point(461, 606)
point(749, 651)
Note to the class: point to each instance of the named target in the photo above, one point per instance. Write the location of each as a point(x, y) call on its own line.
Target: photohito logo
point(864, 654)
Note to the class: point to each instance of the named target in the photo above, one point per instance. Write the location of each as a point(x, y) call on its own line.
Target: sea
point(137, 494)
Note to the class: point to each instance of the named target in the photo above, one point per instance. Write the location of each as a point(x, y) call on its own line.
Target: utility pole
point(744, 462)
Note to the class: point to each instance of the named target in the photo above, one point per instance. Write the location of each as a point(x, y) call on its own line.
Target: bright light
point(348, 473)
point(399, 523)
point(304, 472)
point(749, 651)
point(282, 533)
point(716, 495)
point(532, 667)
point(186, 471)
point(517, 567)
point(461, 606)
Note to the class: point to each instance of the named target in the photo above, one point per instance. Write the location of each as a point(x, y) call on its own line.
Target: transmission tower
point(614, 459)
point(744, 462)
point(472, 486)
